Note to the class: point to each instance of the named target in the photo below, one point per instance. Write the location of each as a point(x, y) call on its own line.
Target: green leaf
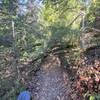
point(92, 98)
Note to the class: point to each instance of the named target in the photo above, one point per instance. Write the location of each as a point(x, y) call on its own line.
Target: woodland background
point(32, 29)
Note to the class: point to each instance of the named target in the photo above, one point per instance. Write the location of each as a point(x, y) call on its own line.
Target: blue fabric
point(25, 95)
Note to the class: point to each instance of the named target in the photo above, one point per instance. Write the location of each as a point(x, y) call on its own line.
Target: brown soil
point(51, 82)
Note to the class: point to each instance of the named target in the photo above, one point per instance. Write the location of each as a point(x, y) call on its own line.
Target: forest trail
point(51, 82)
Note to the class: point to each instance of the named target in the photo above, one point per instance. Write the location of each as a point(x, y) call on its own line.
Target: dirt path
point(51, 82)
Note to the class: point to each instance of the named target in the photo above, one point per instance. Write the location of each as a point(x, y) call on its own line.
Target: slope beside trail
point(51, 82)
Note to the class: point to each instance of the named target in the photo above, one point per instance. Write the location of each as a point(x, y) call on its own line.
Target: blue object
point(25, 95)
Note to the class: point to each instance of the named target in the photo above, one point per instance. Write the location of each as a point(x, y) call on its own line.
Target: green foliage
point(9, 92)
point(92, 98)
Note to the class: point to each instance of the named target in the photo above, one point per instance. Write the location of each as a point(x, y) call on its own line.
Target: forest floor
point(51, 82)
point(55, 79)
